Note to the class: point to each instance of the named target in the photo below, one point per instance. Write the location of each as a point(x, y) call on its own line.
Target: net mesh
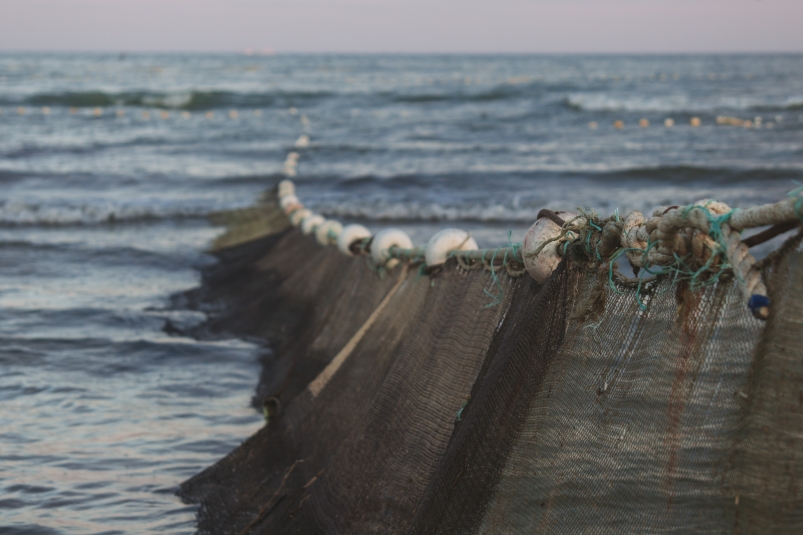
point(566, 408)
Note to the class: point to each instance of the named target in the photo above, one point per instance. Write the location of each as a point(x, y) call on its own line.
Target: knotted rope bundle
point(697, 243)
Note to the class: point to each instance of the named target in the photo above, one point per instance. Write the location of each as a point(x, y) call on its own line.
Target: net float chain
point(328, 232)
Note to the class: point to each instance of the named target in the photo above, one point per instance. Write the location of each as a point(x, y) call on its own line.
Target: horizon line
point(243, 52)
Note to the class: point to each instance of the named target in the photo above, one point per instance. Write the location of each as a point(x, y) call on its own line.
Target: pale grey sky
point(403, 25)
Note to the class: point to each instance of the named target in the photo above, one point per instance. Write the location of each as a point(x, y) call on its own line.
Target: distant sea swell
point(574, 100)
point(182, 100)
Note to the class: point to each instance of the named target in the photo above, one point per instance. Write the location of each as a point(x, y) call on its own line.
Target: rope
point(698, 244)
point(323, 378)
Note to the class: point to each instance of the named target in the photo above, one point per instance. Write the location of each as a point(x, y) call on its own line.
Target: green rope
point(496, 299)
point(797, 193)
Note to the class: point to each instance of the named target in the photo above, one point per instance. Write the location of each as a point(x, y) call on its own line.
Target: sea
point(110, 165)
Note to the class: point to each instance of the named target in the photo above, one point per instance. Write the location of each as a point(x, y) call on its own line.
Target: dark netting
point(410, 405)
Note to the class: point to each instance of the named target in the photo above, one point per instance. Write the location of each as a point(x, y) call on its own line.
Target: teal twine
point(515, 246)
point(799, 202)
point(496, 299)
point(596, 242)
point(619, 252)
point(641, 304)
point(422, 270)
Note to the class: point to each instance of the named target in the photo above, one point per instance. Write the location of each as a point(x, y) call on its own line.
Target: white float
point(288, 200)
point(383, 241)
point(286, 187)
point(298, 216)
point(328, 231)
point(293, 208)
point(349, 235)
point(541, 266)
point(310, 223)
point(446, 241)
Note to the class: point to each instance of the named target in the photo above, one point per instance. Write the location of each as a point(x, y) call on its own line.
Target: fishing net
point(404, 403)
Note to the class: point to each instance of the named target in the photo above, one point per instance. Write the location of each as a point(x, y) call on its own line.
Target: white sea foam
point(33, 213)
point(677, 103)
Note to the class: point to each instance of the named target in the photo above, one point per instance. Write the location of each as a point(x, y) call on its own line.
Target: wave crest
point(603, 102)
point(17, 213)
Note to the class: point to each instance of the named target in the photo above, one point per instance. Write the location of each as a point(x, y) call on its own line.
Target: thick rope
point(695, 243)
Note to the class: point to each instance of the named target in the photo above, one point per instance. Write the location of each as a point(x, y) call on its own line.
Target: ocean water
point(109, 165)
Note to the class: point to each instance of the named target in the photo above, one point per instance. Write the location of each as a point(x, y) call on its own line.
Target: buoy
point(233, 114)
point(164, 114)
point(298, 216)
point(328, 232)
point(618, 125)
point(146, 114)
point(669, 123)
point(209, 114)
point(541, 265)
point(293, 111)
point(45, 111)
point(383, 241)
point(302, 141)
point(446, 241)
point(593, 125)
point(695, 122)
point(287, 200)
point(21, 110)
point(290, 208)
point(644, 123)
point(120, 113)
point(73, 111)
point(349, 235)
point(286, 187)
point(186, 115)
point(97, 112)
point(311, 222)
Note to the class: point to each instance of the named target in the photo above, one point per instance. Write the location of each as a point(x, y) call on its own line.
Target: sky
point(412, 26)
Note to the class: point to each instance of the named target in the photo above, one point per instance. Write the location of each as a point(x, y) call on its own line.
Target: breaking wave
point(601, 102)
point(16, 213)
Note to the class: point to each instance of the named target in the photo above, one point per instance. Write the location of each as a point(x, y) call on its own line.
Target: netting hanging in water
point(402, 403)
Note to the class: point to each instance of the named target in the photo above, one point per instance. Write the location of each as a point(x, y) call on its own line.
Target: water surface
point(110, 164)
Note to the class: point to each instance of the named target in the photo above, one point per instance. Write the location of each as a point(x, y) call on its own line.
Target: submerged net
point(405, 404)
